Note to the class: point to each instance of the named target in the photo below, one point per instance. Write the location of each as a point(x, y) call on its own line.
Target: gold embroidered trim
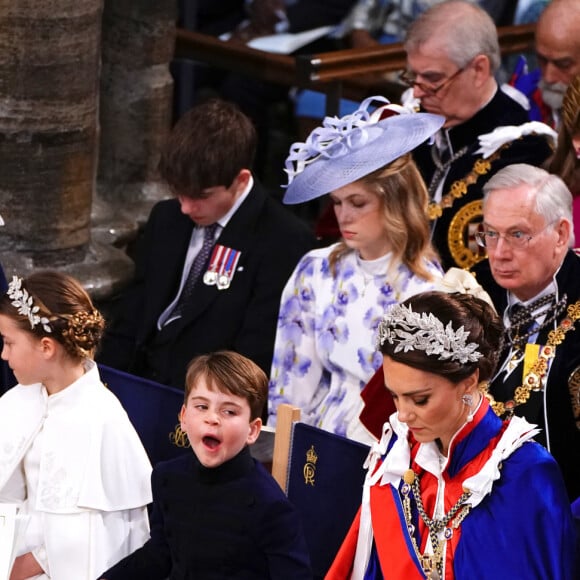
point(533, 379)
point(459, 188)
point(574, 388)
point(179, 437)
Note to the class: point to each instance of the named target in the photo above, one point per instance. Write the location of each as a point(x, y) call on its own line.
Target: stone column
point(135, 113)
point(49, 80)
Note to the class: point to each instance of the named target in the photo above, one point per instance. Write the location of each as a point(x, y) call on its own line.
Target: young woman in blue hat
point(332, 304)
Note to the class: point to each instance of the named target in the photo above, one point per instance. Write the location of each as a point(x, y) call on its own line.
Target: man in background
point(558, 54)
point(452, 57)
point(532, 277)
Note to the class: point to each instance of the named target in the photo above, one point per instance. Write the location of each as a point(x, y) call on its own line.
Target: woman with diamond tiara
point(69, 456)
point(452, 492)
point(331, 306)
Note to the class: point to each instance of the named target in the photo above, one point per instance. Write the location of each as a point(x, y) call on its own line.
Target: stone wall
point(54, 142)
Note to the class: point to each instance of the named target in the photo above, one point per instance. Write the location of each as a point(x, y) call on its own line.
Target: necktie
point(520, 327)
point(197, 267)
point(440, 150)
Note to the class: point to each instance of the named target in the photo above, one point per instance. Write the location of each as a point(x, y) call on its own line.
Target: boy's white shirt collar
point(223, 221)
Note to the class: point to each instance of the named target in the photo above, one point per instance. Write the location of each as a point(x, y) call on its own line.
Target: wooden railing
point(266, 66)
point(354, 72)
point(342, 64)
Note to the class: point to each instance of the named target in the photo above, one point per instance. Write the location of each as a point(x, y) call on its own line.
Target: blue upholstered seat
point(153, 409)
point(576, 514)
point(324, 480)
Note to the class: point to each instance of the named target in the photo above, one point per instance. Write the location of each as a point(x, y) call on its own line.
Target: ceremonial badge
point(461, 235)
point(222, 267)
point(223, 282)
point(211, 276)
point(227, 268)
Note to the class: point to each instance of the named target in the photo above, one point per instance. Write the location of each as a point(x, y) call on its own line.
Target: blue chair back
point(153, 409)
point(576, 514)
point(325, 482)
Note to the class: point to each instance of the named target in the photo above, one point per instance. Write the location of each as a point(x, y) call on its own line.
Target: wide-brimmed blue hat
point(346, 149)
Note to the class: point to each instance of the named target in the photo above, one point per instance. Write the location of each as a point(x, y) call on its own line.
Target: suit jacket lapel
point(239, 232)
point(239, 235)
point(168, 264)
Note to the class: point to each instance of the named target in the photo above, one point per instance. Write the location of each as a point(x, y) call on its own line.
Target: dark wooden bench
point(354, 73)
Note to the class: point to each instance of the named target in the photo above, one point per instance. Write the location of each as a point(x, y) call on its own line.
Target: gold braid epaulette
point(459, 188)
point(571, 105)
point(533, 379)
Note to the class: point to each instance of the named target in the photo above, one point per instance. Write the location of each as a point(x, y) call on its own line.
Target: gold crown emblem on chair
point(309, 469)
point(179, 437)
point(311, 456)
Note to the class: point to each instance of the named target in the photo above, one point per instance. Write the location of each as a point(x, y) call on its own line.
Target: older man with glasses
point(452, 57)
point(533, 278)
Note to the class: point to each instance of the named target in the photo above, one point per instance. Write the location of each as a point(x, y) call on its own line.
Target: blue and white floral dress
point(325, 340)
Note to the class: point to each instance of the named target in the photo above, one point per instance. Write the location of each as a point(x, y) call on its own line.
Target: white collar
point(551, 288)
point(223, 221)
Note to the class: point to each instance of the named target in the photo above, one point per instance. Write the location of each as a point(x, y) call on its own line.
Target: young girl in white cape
point(68, 452)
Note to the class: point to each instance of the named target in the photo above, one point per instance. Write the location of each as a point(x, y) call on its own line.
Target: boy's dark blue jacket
point(232, 521)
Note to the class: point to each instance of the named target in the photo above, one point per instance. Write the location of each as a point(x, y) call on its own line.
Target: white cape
point(93, 481)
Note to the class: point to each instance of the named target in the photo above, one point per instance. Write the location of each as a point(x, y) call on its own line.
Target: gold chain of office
point(532, 381)
point(432, 564)
point(459, 188)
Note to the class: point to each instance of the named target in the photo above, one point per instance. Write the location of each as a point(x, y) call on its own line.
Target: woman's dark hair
point(476, 316)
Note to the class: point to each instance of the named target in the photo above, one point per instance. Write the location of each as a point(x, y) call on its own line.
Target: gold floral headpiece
point(24, 303)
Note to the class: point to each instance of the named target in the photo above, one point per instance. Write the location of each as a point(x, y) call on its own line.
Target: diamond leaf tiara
point(410, 330)
point(24, 303)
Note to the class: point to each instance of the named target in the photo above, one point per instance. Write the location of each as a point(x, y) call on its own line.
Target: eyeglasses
point(410, 79)
point(516, 239)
